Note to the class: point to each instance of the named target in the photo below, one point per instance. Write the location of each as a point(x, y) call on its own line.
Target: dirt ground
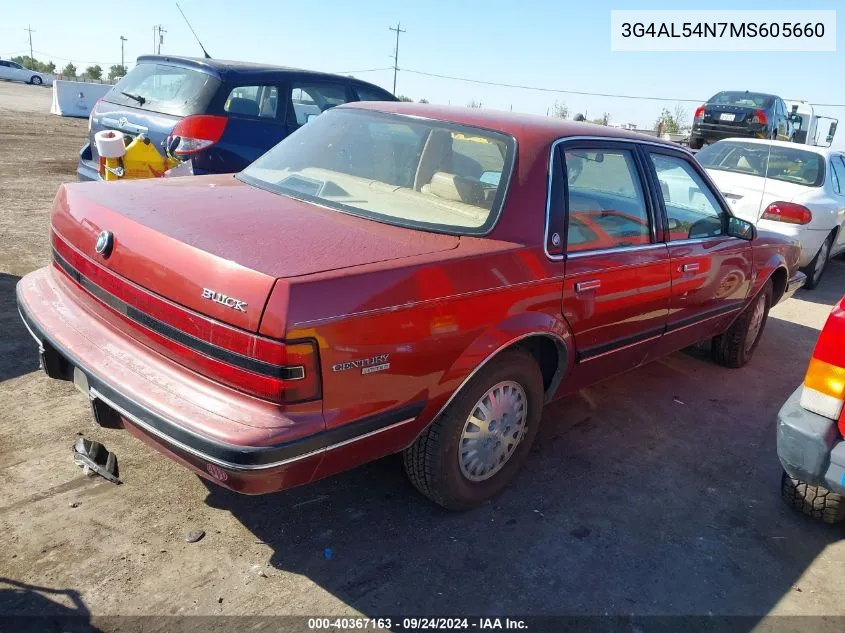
point(653, 493)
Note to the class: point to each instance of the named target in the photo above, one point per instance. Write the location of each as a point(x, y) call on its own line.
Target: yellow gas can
point(142, 160)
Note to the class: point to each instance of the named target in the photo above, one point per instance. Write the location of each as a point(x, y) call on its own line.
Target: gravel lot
point(653, 493)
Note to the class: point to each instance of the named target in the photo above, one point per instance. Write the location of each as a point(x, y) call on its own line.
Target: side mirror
point(831, 132)
point(743, 229)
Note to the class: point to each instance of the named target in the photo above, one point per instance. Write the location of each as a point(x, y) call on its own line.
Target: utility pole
point(158, 38)
point(398, 30)
point(31, 58)
point(122, 66)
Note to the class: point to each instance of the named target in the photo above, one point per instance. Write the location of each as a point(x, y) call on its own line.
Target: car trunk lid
point(197, 240)
point(745, 194)
point(731, 115)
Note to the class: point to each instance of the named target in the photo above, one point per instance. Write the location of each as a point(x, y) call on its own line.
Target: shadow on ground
point(656, 492)
point(830, 288)
point(25, 607)
point(18, 351)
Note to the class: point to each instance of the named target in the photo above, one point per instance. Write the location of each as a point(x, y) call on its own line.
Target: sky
point(561, 45)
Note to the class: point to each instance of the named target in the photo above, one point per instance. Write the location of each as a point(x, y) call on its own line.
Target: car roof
point(824, 151)
point(518, 125)
point(223, 68)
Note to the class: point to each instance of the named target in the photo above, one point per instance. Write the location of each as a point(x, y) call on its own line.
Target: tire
point(433, 462)
point(696, 143)
point(815, 269)
point(814, 501)
point(35, 81)
point(735, 347)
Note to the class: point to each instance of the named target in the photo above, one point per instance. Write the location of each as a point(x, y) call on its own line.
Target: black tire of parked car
point(696, 143)
point(36, 80)
point(729, 349)
point(814, 277)
point(815, 501)
point(431, 462)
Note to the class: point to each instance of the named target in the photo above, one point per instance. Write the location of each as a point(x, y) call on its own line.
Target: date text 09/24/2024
point(416, 624)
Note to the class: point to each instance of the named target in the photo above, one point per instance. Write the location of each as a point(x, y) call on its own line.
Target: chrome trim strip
point(670, 329)
point(558, 258)
point(490, 357)
point(224, 464)
point(609, 251)
point(31, 333)
point(619, 349)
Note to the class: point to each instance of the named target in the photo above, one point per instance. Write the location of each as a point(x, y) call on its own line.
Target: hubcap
point(493, 430)
point(756, 322)
point(821, 260)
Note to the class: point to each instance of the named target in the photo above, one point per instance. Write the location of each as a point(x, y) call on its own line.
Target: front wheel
point(815, 501)
point(735, 347)
point(36, 80)
point(815, 269)
point(477, 445)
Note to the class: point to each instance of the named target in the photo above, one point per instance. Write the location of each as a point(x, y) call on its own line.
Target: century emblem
point(368, 365)
point(229, 302)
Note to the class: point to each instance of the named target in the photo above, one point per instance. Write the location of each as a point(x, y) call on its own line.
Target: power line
point(398, 30)
point(366, 70)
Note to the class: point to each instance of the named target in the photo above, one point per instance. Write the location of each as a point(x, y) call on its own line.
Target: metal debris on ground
point(93, 458)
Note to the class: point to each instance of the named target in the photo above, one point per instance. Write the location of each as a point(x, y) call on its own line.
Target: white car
point(12, 71)
point(796, 191)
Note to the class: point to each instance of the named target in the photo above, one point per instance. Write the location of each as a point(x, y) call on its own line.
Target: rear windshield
point(797, 166)
point(166, 89)
point(426, 174)
point(742, 99)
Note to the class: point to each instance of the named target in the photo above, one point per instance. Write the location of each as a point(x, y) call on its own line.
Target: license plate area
point(727, 116)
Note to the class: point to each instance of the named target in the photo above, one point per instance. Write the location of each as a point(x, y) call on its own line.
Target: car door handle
point(583, 286)
point(690, 268)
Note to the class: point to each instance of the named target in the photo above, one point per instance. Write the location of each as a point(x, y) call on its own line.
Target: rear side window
point(165, 89)
point(605, 201)
point(310, 100)
point(254, 101)
point(837, 173)
point(372, 94)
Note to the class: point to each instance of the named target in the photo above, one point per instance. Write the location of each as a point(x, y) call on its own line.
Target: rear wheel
point(815, 501)
point(696, 143)
point(36, 80)
point(735, 347)
point(477, 445)
point(815, 269)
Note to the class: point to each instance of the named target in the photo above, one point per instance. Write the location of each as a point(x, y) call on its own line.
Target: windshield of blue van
point(401, 170)
point(786, 164)
point(165, 89)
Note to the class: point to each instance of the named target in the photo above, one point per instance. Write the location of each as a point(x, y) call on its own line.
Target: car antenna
point(765, 182)
point(205, 52)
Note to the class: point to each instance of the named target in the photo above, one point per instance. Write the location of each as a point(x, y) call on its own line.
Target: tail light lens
point(788, 212)
point(760, 117)
point(198, 132)
point(699, 112)
point(824, 384)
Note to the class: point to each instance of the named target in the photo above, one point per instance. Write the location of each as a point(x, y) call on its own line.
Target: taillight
point(198, 132)
point(759, 117)
point(699, 112)
point(824, 384)
point(788, 212)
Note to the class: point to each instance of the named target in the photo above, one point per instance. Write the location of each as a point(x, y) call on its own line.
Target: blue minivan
point(221, 115)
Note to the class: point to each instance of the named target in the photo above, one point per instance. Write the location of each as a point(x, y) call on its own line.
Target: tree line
point(94, 72)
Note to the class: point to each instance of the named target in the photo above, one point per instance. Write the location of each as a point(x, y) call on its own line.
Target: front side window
point(605, 202)
point(692, 209)
point(426, 174)
point(311, 100)
point(254, 101)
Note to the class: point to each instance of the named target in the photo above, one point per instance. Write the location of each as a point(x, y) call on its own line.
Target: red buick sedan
point(392, 278)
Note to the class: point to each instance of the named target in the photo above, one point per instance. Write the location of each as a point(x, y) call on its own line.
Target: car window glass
point(4, 64)
point(605, 202)
point(691, 207)
point(837, 174)
point(312, 100)
point(257, 101)
point(367, 94)
point(778, 162)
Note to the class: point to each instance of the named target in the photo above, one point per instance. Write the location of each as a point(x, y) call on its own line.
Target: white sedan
point(794, 190)
point(12, 71)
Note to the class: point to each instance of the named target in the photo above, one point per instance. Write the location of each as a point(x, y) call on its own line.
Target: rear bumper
point(795, 283)
point(810, 447)
point(232, 439)
point(87, 169)
point(716, 132)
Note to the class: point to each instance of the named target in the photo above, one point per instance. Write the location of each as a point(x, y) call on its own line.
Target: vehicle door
point(309, 98)
point(19, 73)
point(617, 284)
point(256, 123)
point(711, 271)
point(783, 126)
point(836, 163)
point(5, 70)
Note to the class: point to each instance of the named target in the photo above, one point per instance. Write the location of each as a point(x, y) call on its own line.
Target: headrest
point(457, 188)
point(239, 105)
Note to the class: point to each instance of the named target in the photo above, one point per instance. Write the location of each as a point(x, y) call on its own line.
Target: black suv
point(732, 113)
point(224, 114)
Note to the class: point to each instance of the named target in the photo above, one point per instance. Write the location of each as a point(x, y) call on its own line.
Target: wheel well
point(548, 355)
point(778, 284)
